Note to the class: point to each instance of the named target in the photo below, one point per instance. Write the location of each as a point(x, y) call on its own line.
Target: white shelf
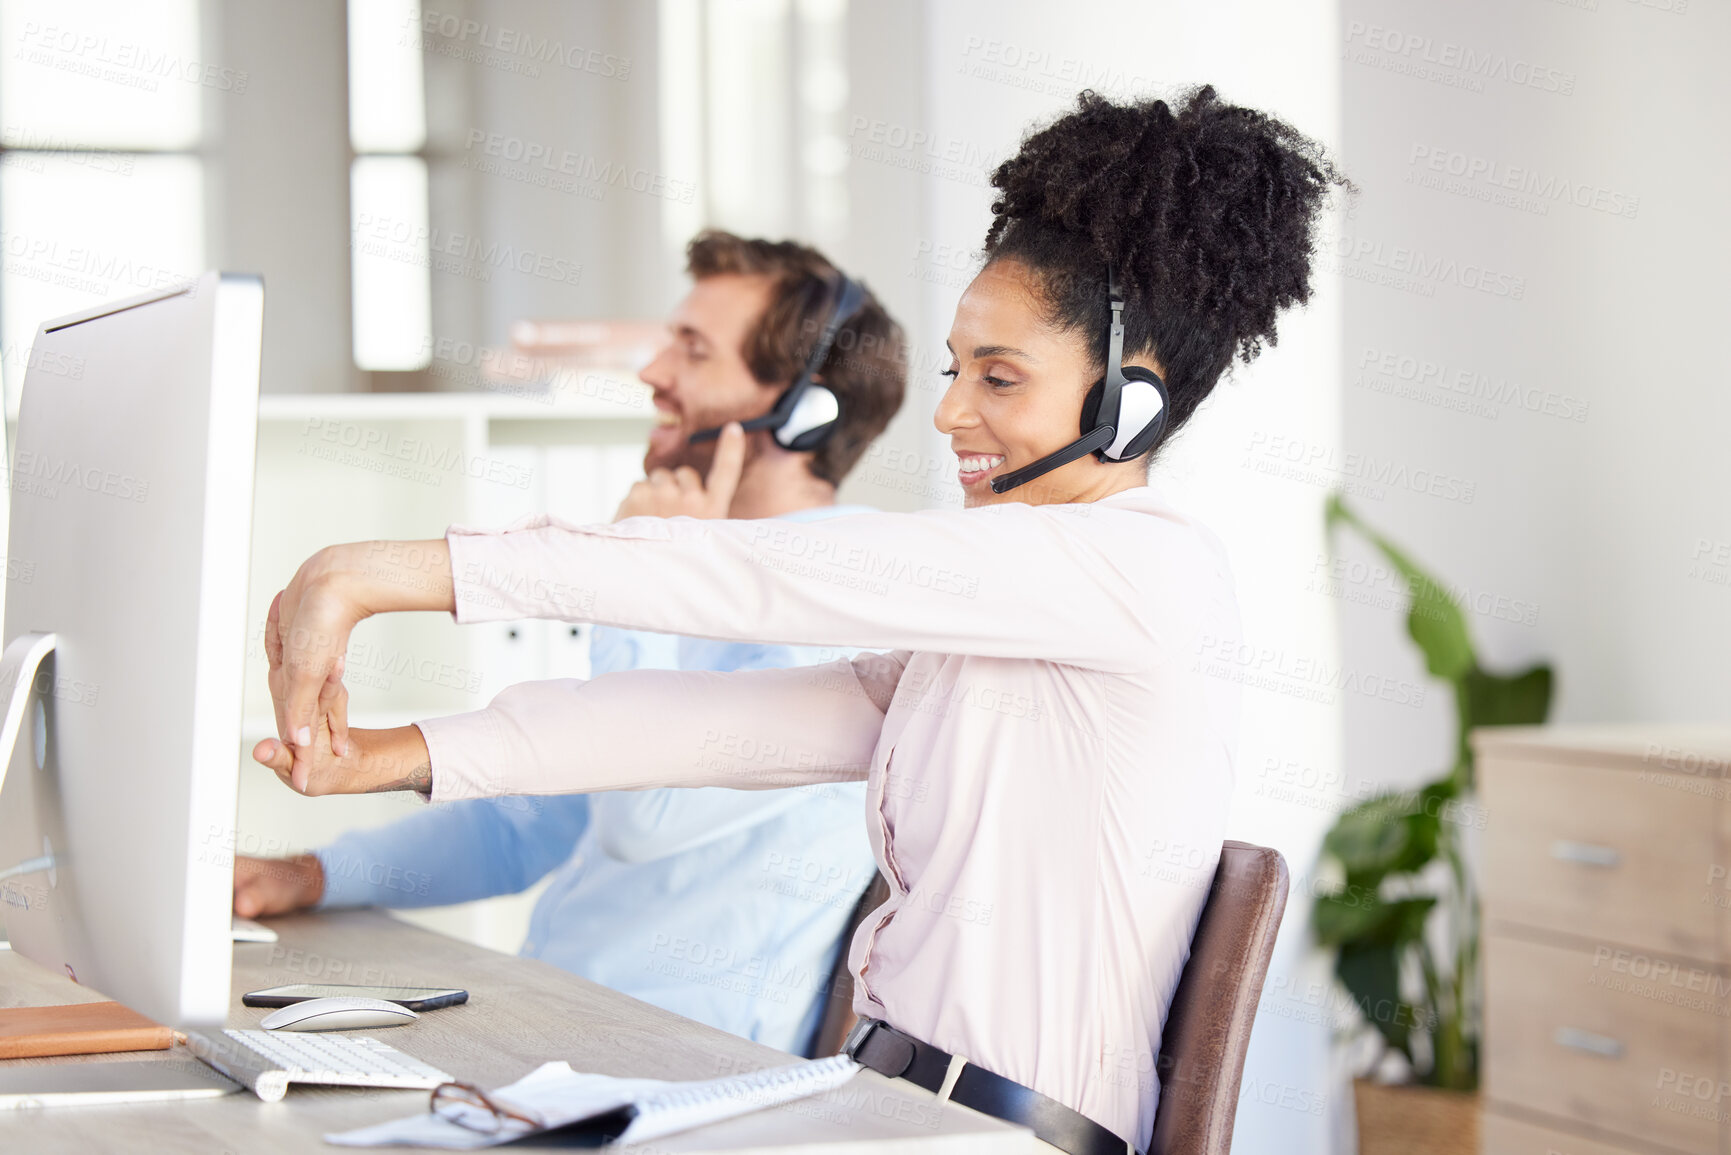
point(365, 466)
point(618, 395)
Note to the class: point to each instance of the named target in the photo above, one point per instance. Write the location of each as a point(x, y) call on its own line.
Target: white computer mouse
point(342, 1013)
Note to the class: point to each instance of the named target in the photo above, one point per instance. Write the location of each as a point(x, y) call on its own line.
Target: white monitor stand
point(19, 664)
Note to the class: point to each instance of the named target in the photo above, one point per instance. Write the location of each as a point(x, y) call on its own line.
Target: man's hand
point(266, 886)
point(375, 761)
point(682, 493)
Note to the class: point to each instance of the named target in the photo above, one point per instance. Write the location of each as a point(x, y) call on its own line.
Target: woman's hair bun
point(1206, 211)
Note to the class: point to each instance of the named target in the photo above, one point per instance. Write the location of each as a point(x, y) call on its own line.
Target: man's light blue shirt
point(726, 906)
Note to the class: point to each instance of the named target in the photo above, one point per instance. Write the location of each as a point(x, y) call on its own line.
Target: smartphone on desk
point(415, 998)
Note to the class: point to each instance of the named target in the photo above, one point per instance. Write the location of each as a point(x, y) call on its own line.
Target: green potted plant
point(1403, 925)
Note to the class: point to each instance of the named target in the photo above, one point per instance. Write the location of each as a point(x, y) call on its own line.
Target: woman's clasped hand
point(306, 638)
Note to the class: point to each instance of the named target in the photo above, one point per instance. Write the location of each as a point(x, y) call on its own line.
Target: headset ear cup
point(811, 420)
point(1146, 439)
point(1143, 441)
point(1091, 406)
point(819, 405)
point(810, 439)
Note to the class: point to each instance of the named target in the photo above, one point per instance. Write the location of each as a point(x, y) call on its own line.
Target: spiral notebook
point(615, 1110)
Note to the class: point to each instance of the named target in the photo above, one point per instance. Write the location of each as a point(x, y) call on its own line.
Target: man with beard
point(726, 906)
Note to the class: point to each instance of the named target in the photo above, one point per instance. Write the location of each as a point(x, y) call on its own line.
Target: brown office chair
point(838, 1016)
point(1207, 1032)
point(1208, 1027)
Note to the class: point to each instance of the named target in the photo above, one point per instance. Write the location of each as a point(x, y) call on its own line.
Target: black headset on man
point(806, 413)
point(1123, 415)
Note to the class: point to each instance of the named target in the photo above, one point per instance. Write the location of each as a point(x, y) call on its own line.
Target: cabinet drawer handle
point(1576, 1039)
point(1585, 853)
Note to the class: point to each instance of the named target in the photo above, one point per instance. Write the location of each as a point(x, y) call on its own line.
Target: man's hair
point(866, 367)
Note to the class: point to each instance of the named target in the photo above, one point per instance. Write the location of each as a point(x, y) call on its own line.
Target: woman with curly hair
point(1048, 768)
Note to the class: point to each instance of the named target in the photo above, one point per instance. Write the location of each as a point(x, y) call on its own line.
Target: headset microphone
point(806, 413)
point(1078, 448)
point(1123, 415)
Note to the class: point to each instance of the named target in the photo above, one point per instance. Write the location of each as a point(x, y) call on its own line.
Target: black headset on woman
point(806, 413)
point(1123, 415)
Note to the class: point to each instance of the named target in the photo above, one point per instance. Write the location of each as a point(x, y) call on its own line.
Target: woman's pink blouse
point(1047, 739)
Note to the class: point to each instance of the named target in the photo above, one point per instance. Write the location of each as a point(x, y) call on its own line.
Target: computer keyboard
point(268, 1061)
point(246, 930)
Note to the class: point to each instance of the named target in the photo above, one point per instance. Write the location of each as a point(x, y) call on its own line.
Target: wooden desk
point(520, 1013)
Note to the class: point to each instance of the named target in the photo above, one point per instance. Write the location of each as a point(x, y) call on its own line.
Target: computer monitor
point(131, 505)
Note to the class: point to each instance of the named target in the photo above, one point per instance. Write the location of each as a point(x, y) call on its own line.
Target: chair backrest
point(1208, 1026)
point(838, 1016)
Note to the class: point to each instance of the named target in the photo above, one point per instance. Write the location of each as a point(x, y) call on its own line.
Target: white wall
point(603, 113)
point(992, 70)
point(887, 205)
point(1570, 403)
point(278, 201)
point(1593, 526)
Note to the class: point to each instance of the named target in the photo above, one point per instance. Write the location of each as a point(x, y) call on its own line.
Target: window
point(101, 184)
point(753, 98)
point(388, 200)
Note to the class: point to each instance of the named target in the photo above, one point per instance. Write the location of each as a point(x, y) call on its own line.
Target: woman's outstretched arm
point(1082, 585)
point(1067, 584)
point(634, 729)
point(638, 729)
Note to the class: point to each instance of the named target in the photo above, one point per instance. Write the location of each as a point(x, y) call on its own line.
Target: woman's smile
point(976, 467)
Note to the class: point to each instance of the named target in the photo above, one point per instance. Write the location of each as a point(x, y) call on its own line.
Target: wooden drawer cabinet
point(1601, 853)
point(1520, 1137)
point(1590, 1035)
point(1607, 939)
